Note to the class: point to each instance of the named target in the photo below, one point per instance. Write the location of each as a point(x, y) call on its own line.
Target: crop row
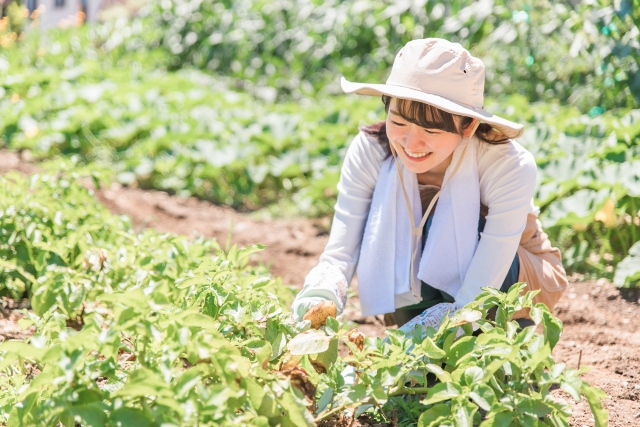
point(143, 328)
point(121, 335)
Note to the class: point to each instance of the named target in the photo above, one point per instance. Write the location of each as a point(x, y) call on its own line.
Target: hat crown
point(439, 67)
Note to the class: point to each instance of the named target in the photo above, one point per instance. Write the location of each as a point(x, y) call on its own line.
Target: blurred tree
point(13, 15)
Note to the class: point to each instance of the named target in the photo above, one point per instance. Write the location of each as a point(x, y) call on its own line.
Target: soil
point(600, 328)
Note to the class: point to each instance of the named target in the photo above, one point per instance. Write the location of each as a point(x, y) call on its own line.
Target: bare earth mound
point(600, 323)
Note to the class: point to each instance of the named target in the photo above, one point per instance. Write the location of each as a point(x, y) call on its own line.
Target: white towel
point(385, 255)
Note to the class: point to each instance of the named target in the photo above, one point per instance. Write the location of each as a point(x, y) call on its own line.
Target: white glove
point(325, 282)
point(431, 316)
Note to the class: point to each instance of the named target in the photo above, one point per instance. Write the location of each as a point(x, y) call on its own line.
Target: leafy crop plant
point(150, 329)
point(503, 376)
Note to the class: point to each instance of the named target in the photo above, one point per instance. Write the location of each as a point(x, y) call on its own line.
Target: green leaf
point(255, 391)
point(396, 336)
point(460, 348)
point(473, 375)
point(261, 350)
point(268, 407)
point(533, 406)
point(448, 341)
point(594, 396)
point(332, 325)
point(464, 316)
point(324, 400)
point(435, 416)
point(441, 392)
point(513, 294)
point(330, 356)
point(442, 375)
point(296, 413)
point(25, 323)
point(496, 364)
point(198, 320)
point(42, 299)
point(261, 282)
point(310, 342)
point(536, 314)
point(572, 387)
point(431, 349)
point(463, 414)
point(67, 420)
point(628, 270)
point(197, 281)
point(278, 346)
point(144, 382)
point(501, 317)
point(552, 329)
point(22, 349)
point(527, 420)
point(187, 381)
point(130, 417)
point(251, 249)
point(483, 396)
point(379, 394)
point(501, 419)
point(539, 356)
point(92, 415)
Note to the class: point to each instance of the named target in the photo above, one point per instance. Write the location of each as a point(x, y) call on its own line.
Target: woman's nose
point(413, 139)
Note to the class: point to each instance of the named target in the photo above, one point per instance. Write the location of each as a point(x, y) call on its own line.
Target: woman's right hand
point(325, 282)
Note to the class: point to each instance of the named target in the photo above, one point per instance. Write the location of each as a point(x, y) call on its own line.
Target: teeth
point(415, 155)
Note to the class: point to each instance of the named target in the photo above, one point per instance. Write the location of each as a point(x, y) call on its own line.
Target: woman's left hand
point(431, 316)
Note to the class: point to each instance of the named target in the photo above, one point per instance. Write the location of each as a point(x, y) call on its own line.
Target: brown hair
point(428, 116)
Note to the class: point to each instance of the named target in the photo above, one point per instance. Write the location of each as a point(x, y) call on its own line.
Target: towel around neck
point(385, 255)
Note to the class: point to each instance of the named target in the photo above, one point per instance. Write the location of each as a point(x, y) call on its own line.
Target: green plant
point(628, 271)
point(150, 328)
point(565, 51)
point(504, 376)
point(142, 328)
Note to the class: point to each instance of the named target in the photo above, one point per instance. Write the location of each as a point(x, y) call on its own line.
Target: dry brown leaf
point(357, 338)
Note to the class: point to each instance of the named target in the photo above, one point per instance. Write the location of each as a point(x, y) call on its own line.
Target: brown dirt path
point(600, 323)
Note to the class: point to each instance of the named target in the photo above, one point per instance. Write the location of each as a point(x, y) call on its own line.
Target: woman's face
point(420, 150)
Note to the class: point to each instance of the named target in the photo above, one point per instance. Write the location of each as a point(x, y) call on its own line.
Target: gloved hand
point(325, 282)
point(430, 317)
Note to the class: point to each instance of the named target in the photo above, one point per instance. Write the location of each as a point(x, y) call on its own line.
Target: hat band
point(475, 107)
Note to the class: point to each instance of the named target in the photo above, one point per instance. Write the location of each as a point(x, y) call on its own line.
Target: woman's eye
point(397, 124)
point(431, 132)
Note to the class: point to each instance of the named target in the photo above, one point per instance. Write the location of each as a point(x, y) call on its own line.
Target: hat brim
point(508, 128)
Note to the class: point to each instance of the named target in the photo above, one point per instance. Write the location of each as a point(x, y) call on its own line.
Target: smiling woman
point(436, 202)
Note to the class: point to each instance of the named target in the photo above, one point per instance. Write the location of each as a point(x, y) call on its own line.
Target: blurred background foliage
point(238, 102)
point(555, 51)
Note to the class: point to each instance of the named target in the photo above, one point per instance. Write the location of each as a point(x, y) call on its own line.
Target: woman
point(436, 202)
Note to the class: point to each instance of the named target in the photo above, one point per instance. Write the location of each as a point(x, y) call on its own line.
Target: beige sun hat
point(442, 74)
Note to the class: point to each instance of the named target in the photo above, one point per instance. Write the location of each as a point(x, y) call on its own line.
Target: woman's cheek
point(393, 133)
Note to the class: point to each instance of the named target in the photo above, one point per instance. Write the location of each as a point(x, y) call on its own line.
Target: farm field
point(598, 318)
point(145, 160)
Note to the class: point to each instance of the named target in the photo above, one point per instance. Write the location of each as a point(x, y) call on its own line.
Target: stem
point(324, 416)
point(143, 355)
point(633, 219)
point(589, 238)
point(623, 243)
point(410, 390)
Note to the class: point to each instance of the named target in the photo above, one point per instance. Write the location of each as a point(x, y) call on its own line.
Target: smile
point(416, 156)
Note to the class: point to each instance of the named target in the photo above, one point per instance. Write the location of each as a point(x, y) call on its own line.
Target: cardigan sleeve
point(358, 179)
point(507, 182)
